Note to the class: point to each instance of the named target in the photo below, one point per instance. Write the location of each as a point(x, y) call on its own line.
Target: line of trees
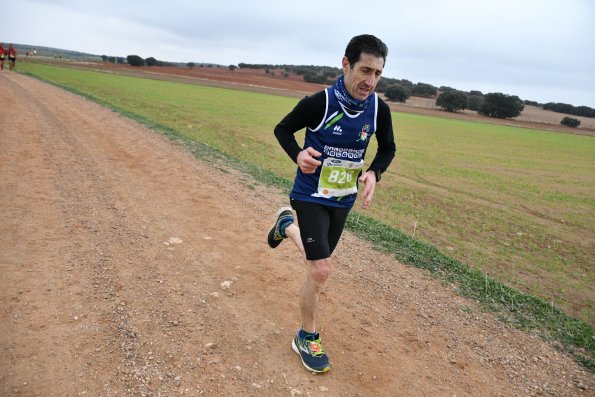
point(135, 60)
point(111, 59)
point(493, 104)
point(584, 111)
point(399, 90)
point(450, 99)
point(311, 74)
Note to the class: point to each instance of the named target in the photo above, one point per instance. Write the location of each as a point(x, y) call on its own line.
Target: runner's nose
point(371, 81)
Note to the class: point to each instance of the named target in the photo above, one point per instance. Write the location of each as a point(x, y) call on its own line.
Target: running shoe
point(309, 347)
point(277, 232)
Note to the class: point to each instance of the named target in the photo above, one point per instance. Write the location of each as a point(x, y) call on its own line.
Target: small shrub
point(570, 122)
point(135, 60)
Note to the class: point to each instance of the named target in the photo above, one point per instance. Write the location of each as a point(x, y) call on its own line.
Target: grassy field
point(515, 204)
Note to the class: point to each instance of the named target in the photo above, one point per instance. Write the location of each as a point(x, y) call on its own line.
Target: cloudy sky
point(542, 50)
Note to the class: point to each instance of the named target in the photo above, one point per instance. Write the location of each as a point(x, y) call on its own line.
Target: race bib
point(338, 177)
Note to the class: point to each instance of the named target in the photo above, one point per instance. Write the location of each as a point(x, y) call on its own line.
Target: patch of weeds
point(522, 310)
point(222, 170)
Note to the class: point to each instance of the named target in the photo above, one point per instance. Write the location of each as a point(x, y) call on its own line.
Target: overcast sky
point(542, 50)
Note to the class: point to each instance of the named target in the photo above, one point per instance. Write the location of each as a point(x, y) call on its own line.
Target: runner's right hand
point(306, 160)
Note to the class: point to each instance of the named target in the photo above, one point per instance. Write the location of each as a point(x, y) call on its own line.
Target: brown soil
point(130, 268)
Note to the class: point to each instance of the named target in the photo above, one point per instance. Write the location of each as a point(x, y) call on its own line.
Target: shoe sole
point(318, 371)
point(281, 210)
point(277, 219)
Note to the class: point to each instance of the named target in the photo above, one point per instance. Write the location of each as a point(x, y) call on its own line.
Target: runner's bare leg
point(317, 273)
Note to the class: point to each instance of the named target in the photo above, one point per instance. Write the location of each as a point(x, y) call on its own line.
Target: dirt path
point(115, 251)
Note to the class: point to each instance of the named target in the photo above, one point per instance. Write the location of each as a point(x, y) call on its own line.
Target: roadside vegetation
point(504, 214)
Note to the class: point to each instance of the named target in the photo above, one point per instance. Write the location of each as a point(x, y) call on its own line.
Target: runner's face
point(361, 80)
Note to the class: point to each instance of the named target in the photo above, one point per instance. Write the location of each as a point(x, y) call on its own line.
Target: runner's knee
point(321, 269)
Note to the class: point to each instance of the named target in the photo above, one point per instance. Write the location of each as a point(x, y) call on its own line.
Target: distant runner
point(339, 123)
point(12, 57)
point(2, 56)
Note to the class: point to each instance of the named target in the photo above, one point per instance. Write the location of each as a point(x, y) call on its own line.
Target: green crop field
point(516, 204)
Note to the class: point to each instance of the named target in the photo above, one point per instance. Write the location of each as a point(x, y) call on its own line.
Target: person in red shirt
point(2, 55)
point(12, 56)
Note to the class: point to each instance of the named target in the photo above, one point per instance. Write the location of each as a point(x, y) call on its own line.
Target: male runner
point(12, 56)
point(339, 123)
point(2, 56)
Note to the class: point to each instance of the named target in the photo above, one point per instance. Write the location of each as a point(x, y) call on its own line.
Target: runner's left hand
point(369, 179)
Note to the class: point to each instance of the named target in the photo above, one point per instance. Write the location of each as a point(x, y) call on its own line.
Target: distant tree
point(121, 60)
point(501, 106)
point(530, 103)
point(330, 74)
point(191, 65)
point(452, 101)
point(584, 111)
point(111, 59)
point(474, 102)
point(385, 84)
point(446, 89)
point(314, 78)
point(104, 58)
point(474, 92)
point(570, 122)
point(423, 90)
point(397, 94)
point(135, 60)
point(150, 61)
point(232, 67)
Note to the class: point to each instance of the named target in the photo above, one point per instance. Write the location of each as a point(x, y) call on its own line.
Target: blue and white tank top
point(342, 138)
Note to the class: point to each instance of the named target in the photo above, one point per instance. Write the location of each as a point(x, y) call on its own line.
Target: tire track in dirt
point(118, 251)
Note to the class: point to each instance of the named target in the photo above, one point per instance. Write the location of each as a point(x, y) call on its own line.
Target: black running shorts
point(321, 227)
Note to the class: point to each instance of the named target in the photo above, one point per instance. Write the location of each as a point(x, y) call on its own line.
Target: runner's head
point(363, 63)
point(367, 44)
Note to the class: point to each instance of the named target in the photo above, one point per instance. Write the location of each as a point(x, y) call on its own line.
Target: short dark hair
point(365, 43)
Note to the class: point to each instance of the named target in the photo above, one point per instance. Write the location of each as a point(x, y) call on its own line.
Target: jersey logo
point(338, 130)
point(333, 119)
point(364, 133)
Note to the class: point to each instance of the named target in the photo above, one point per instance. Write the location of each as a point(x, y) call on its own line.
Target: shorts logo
point(309, 240)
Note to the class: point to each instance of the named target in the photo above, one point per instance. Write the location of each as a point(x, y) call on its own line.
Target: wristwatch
point(376, 172)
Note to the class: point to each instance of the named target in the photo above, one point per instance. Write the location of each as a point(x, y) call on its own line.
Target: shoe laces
point(315, 346)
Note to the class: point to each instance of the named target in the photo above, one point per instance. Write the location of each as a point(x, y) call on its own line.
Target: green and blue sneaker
point(309, 347)
point(277, 232)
